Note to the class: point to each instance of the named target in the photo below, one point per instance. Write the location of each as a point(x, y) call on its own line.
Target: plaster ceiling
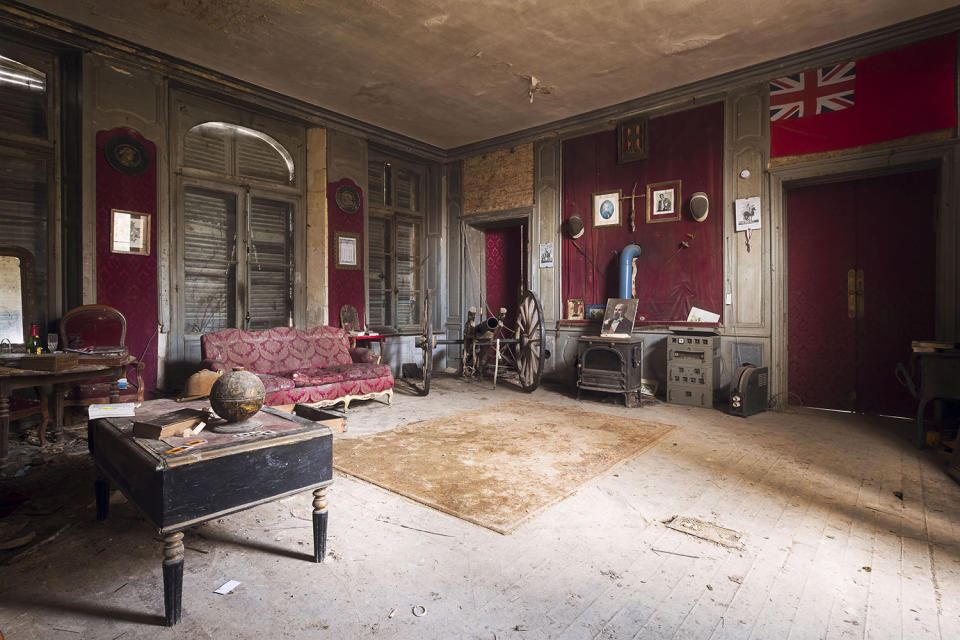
point(453, 72)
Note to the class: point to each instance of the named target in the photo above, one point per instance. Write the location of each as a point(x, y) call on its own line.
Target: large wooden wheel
point(532, 336)
point(425, 343)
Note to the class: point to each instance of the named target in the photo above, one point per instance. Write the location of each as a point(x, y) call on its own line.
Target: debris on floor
point(227, 587)
point(706, 531)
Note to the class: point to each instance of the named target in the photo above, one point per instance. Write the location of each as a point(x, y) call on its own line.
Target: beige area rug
point(499, 465)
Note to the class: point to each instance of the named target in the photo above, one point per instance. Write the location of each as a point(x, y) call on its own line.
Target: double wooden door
point(861, 286)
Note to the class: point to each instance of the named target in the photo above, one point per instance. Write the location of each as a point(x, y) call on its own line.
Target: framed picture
point(606, 209)
point(619, 317)
point(632, 140)
point(129, 232)
point(595, 312)
point(348, 249)
point(546, 254)
point(748, 213)
point(648, 387)
point(663, 201)
point(574, 309)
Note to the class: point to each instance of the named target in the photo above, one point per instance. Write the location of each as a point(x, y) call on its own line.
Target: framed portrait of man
point(619, 317)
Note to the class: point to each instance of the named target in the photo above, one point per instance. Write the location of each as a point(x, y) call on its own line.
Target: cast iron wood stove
point(614, 365)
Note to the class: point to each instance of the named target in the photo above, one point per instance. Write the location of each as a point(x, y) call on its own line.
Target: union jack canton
point(813, 92)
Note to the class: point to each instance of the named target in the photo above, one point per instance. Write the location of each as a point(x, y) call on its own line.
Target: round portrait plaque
point(127, 155)
point(348, 199)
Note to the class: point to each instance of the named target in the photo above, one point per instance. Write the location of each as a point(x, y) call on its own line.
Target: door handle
point(851, 294)
point(860, 293)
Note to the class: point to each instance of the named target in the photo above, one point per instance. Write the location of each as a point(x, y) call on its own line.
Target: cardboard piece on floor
point(331, 419)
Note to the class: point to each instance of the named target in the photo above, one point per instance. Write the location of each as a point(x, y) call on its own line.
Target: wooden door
point(861, 262)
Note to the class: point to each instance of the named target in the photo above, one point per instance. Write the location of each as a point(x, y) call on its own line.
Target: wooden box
point(49, 361)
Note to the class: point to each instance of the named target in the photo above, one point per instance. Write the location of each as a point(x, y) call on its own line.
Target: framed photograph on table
point(348, 249)
point(663, 201)
point(606, 209)
point(619, 317)
point(129, 232)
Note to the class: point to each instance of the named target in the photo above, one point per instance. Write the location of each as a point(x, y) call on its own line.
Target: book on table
point(169, 424)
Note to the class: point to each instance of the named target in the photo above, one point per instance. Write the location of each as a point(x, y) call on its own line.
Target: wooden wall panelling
point(749, 279)
point(546, 228)
point(454, 251)
point(317, 222)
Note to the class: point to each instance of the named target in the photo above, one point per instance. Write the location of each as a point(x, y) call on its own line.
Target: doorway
point(861, 258)
point(505, 268)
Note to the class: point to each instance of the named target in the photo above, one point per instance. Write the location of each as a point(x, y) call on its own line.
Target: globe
point(606, 210)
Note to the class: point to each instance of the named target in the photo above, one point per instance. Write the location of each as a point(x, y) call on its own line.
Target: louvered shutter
point(209, 260)
point(270, 264)
point(378, 275)
point(23, 99)
point(23, 216)
point(258, 159)
point(206, 148)
point(408, 280)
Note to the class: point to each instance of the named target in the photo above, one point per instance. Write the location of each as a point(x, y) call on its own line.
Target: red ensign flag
point(893, 95)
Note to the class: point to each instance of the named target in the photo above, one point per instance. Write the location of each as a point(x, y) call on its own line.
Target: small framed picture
point(595, 312)
point(348, 250)
point(129, 232)
point(748, 213)
point(574, 309)
point(632, 140)
point(606, 209)
point(546, 254)
point(663, 201)
point(619, 317)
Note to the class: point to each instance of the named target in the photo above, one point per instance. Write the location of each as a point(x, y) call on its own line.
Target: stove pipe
point(627, 276)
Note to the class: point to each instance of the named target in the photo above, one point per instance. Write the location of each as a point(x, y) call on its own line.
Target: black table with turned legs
point(182, 482)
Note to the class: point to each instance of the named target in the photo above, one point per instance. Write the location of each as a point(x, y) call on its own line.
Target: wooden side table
point(182, 482)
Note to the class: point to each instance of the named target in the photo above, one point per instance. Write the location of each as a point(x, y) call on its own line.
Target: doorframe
point(473, 246)
point(942, 156)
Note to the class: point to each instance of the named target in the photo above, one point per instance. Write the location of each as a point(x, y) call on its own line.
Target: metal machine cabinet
point(693, 367)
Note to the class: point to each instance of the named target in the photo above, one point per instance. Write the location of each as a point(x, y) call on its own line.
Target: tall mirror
point(17, 296)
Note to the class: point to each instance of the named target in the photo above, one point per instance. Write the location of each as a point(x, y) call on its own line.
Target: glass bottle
point(33, 342)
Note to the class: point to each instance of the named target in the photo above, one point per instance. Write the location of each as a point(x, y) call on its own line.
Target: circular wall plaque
point(127, 155)
point(348, 199)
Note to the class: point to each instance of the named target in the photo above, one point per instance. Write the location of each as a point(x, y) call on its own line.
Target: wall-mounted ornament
point(663, 201)
point(127, 155)
point(632, 140)
point(699, 206)
point(348, 198)
point(606, 209)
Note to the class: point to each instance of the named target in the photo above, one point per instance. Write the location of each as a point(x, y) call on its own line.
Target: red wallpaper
point(685, 146)
point(504, 270)
point(129, 282)
point(346, 285)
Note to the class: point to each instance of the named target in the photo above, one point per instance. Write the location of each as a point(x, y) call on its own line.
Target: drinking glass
point(53, 340)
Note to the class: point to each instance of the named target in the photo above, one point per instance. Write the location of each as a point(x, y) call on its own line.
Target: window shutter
point(209, 260)
point(375, 183)
point(378, 275)
point(408, 282)
point(23, 215)
point(23, 99)
point(206, 148)
point(258, 159)
point(270, 263)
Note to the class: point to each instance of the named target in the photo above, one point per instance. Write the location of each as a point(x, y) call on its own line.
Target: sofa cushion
point(340, 373)
point(279, 349)
point(273, 383)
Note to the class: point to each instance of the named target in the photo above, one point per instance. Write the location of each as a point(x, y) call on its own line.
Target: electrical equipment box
point(749, 390)
point(693, 367)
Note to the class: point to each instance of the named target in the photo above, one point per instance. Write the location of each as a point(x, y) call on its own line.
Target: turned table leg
point(4, 424)
point(319, 524)
point(101, 487)
point(172, 577)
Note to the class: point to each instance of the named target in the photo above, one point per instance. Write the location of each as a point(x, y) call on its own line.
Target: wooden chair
point(96, 325)
point(349, 318)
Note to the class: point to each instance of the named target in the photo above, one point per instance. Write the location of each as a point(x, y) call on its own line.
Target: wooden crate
point(49, 361)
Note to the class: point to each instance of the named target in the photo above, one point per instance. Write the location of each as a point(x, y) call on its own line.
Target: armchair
point(101, 328)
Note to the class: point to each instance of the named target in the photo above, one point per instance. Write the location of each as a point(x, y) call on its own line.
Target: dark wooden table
point(178, 488)
point(12, 378)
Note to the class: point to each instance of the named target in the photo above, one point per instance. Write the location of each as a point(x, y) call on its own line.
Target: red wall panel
point(685, 146)
point(504, 270)
point(129, 282)
point(346, 285)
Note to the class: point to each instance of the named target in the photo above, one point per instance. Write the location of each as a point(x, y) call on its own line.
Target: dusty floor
point(828, 551)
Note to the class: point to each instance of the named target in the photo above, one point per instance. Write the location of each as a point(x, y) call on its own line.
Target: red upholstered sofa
point(301, 365)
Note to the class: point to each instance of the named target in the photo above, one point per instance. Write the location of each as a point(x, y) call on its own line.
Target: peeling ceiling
point(454, 72)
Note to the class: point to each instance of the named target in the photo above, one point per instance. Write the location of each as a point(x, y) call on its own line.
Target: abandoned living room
point(487, 320)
